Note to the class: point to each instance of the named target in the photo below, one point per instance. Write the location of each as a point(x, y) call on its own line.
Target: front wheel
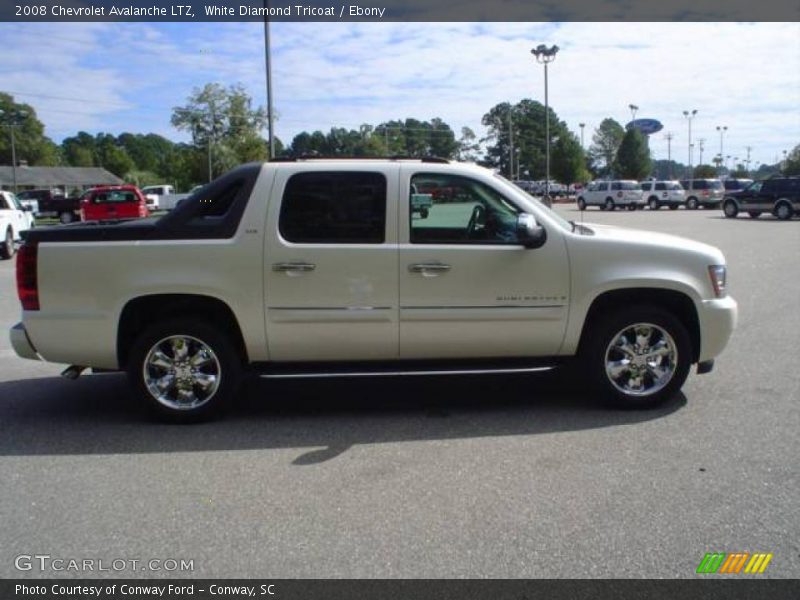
point(691, 204)
point(609, 205)
point(638, 357)
point(7, 248)
point(184, 370)
point(653, 203)
point(66, 217)
point(730, 209)
point(784, 211)
point(581, 204)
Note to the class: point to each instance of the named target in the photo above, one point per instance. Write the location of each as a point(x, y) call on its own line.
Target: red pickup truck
point(113, 202)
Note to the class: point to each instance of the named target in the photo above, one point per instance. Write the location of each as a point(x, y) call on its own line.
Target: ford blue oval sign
point(646, 126)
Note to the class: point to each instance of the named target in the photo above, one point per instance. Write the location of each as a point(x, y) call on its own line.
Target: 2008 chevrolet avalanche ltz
point(300, 267)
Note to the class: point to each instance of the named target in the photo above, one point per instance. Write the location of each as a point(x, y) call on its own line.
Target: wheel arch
point(678, 303)
point(140, 312)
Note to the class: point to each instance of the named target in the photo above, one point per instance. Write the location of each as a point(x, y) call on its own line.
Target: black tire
point(653, 203)
point(754, 214)
point(783, 211)
point(581, 204)
point(224, 360)
point(609, 204)
point(730, 209)
point(691, 203)
point(608, 327)
point(66, 217)
point(7, 245)
point(673, 207)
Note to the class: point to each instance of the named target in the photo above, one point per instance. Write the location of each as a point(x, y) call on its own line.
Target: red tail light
point(27, 279)
point(705, 192)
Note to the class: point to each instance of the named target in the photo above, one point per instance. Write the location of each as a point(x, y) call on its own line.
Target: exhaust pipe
point(72, 372)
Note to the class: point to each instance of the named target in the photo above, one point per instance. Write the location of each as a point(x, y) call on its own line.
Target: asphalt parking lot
point(491, 476)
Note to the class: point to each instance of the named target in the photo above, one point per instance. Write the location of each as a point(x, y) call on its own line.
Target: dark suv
point(778, 195)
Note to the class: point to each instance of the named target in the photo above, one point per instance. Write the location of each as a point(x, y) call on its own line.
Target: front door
point(468, 288)
point(331, 264)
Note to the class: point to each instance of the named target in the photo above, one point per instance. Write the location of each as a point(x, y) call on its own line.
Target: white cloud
point(743, 75)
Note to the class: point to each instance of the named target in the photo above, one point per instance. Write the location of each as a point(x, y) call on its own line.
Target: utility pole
point(510, 145)
point(15, 119)
point(268, 64)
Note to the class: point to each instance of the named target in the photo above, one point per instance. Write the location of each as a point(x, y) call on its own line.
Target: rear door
point(330, 269)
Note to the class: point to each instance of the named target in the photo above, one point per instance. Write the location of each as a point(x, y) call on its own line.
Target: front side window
point(450, 209)
point(334, 208)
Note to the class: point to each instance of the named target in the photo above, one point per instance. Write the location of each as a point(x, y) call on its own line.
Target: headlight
point(718, 274)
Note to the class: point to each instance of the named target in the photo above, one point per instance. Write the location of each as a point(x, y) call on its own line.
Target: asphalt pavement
point(489, 477)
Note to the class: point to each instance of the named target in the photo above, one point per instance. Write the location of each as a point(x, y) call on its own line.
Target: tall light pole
point(700, 146)
point(747, 161)
point(268, 64)
point(14, 119)
point(545, 56)
point(634, 109)
point(722, 129)
point(581, 125)
point(669, 137)
point(689, 116)
point(510, 144)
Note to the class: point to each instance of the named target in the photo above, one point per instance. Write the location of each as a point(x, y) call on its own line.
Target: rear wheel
point(66, 217)
point(691, 203)
point(638, 357)
point(653, 204)
point(7, 249)
point(783, 211)
point(609, 205)
point(184, 370)
point(730, 209)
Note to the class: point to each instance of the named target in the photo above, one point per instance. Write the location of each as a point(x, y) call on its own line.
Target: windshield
point(550, 212)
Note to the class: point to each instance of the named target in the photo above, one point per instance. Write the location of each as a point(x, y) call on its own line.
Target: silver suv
point(663, 193)
point(707, 193)
point(608, 195)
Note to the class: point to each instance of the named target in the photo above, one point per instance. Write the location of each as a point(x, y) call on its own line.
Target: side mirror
point(529, 232)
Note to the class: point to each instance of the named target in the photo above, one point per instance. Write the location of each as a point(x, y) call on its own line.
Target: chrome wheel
point(730, 210)
point(182, 372)
point(783, 212)
point(641, 359)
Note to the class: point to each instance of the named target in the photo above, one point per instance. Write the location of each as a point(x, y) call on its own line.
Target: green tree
point(791, 166)
point(224, 121)
point(633, 156)
point(523, 126)
point(567, 161)
point(605, 143)
point(468, 146)
point(31, 145)
point(704, 172)
point(79, 150)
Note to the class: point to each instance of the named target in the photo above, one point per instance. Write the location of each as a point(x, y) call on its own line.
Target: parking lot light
point(545, 56)
point(689, 116)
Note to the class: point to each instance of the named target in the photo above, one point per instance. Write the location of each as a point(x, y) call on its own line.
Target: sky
point(116, 77)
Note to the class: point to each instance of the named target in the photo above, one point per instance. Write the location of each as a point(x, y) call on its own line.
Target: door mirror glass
point(529, 232)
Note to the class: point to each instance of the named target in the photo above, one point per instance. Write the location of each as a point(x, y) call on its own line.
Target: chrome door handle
point(429, 268)
point(294, 266)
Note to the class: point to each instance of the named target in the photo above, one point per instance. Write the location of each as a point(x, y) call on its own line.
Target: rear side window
point(661, 187)
point(334, 208)
point(701, 185)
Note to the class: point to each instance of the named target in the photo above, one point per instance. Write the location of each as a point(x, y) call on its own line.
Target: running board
point(337, 371)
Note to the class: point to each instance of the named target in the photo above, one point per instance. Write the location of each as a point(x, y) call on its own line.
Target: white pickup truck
point(163, 197)
point(14, 219)
point(326, 267)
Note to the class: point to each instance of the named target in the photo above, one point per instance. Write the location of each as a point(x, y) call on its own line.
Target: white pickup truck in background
point(337, 267)
point(163, 197)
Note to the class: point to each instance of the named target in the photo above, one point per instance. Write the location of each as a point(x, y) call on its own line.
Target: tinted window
point(700, 185)
point(661, 187)
point(450, 209)
point(115, 196)
point(343, 208)
point(216, 205)
point(716, 184)
point(770, 186)
point(627, 185)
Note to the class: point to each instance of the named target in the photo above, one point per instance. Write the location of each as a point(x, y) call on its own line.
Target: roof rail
point(425, 159)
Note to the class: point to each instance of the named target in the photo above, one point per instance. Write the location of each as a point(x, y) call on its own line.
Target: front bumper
point(718, 319)
point(21, 342)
